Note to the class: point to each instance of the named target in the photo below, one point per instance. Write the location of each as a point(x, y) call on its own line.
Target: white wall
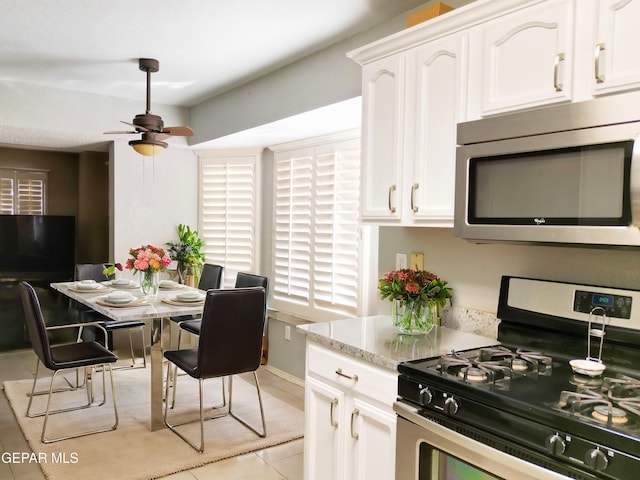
point(474, 270)
point(150, 196)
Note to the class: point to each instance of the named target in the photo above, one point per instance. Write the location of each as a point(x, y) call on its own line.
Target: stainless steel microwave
point(567, 174)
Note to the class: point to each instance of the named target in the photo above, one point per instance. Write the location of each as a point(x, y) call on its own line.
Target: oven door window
point(438, 465)
point(585, 185)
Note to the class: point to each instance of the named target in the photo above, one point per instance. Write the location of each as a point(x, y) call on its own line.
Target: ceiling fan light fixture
point(147, 147)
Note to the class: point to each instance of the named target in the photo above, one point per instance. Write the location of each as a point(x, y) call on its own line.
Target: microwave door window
point(572, 186)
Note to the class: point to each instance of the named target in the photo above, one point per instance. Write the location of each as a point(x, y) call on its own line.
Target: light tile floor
point(282, 462)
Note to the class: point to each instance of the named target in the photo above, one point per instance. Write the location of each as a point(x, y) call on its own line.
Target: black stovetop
point(545, 390)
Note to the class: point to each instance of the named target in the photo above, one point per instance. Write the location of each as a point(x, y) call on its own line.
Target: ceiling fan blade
point(137, 127)
point(162, 136)
point(120, 132)
point(178, 131)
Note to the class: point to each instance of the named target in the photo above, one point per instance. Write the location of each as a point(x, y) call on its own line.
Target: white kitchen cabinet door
point(440, 76)
point(323, 431)
point(350, 425)
point(526, 58)
point(383, 99)
point(373, 441)
point(616, 60)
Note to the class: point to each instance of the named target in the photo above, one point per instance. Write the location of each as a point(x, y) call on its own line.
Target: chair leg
point(133, 358)
point(201, 418)
point(264, 426)
point(70, 388)
point(49, 412)
point(144, 348)
point(132, 354)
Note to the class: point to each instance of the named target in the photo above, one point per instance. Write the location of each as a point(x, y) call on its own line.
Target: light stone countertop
point(374, 339)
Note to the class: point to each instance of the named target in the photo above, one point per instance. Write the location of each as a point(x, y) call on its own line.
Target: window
point(229, 220)
point(23, 192)
point(316, 229)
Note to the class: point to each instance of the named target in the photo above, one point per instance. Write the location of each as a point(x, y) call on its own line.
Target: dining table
point(155, 310)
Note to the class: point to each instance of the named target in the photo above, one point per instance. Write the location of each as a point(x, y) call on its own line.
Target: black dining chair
point(243, 280)
point(65, 357)
point(211, 278)
point(93, 271)
point(230, 343)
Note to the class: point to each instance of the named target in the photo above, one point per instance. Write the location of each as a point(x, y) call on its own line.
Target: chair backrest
point(35, 324)
point(211, 276)
point(244, 280)
point(91, 271)
point(230, 339)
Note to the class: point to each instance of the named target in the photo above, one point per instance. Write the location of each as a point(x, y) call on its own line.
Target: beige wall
point(62, 179)
point(93, 208)
point(474, 270)
point(77, 186)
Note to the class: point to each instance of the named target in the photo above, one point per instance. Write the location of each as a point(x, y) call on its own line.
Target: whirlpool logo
point(539, 221)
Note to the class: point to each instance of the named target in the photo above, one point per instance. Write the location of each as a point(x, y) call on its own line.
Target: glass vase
point(187, 274)
point(149, 283)
point(414, 317)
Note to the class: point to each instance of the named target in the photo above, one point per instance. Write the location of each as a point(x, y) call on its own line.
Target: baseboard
point(285, 375)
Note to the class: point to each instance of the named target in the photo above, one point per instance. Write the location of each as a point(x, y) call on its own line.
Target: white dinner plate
point(189, 298)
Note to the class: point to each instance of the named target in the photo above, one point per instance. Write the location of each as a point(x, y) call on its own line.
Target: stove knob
point(451, 406)
point(426, 396)
point(595, 458)
point(555, 444)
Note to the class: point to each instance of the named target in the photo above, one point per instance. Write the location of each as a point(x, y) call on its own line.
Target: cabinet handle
point(414, 187)
point(559, 58)
point(353, 377)
point(599, 76)
point(334, 404)
point(392, 189)
point(354, 415)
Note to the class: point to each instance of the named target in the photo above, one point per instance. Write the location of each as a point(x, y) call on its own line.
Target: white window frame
point(14, 200)
point(304, 291)
point(235, 246)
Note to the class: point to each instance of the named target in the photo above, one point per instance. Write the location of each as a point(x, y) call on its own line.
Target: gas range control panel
point(618, 306)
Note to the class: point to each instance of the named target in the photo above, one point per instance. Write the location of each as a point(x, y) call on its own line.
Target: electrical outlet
point(417, 261)
point(287, 332)
point(401, 261)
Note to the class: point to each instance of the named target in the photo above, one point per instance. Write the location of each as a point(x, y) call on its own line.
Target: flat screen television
point(37, 243)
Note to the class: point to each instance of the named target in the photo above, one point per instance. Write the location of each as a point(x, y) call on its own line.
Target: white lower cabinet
point(350, 426)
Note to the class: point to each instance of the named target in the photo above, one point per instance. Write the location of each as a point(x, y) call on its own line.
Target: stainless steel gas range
point(524, 409)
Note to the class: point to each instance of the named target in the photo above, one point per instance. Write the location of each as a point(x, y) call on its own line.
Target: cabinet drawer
point(352, 374)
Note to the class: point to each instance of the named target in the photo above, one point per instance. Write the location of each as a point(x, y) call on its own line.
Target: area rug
point(132, 451)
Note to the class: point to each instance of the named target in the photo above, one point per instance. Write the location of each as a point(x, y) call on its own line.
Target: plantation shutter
point(292, 226)
point(7, 182)
point(31, 193)
point(316, 229)
point(228, 215)
point(23, 192)
point(336, 242)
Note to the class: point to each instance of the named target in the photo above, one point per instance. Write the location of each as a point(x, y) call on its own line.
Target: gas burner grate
point(494, 365)
point(616, 404)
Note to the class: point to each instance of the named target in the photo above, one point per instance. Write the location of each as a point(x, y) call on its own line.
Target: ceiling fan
point(149, 125)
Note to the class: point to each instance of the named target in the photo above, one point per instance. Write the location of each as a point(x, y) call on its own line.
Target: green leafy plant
point(187, 251)
point(110, 269)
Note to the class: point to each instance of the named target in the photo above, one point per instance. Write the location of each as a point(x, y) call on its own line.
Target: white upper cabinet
point(523, 59)
point(382, 136)
point(486, 58)
point(616, 62)
point(412, 101)
point(436, 108)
